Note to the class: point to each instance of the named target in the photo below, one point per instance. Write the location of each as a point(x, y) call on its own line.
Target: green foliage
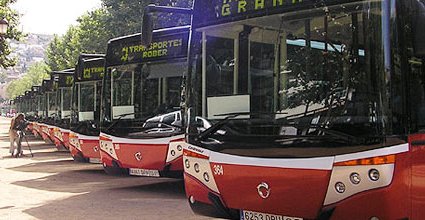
point(35, 75)
point(94, 29)
point(13, 32)
point(93, 34)
point(62, 52)
point(124, 16)
point(89, 36)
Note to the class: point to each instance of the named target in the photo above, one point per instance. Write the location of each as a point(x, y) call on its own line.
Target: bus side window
point(418, 21)
point(414, 46)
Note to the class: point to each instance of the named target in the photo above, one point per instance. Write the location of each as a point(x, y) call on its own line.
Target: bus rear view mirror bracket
point(149, 19)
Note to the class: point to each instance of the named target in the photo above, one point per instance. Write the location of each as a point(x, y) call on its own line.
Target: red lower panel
point(106, 159)
point(35, 133)
point(391, 202)
point(90, 148)
point(73, 150)
point(58, 143)
point(30, 127)
point(293, 192)
point(65, 136)
point(45, 136)
point(417, 147)
point(142, 156)
point(177, 164)
point(51, 134)
point(196, 189)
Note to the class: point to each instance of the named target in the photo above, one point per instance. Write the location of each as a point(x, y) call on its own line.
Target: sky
point(51, 16)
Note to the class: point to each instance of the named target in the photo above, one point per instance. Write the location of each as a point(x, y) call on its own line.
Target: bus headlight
point(340, 187)
point(196, 167)
point(187, 163)
point(355, 178)
point(206, 177)
point(374, 174)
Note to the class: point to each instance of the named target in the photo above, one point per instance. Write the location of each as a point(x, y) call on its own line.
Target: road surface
point(52, 186)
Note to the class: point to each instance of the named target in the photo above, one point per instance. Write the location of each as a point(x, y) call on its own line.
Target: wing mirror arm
point(148, 19)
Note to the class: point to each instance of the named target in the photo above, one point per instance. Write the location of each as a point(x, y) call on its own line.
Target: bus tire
point(115, 171)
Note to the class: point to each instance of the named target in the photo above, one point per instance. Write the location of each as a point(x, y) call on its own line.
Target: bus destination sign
point(92, 69)
point(129, 50)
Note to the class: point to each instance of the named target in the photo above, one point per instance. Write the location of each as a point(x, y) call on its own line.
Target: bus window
point(261, 76)
point(220, 66)
point(86, 97)
point(122, 88)
point(123, 91)
point(409, 60)
point(419, 27)
point(86, 100)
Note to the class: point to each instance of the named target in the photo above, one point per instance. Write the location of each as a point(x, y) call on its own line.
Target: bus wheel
point(80, 158)
point(115, 171)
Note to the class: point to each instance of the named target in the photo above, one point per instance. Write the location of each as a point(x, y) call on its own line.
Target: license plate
point(250, 215)
point(94, 160)
point(144, 172)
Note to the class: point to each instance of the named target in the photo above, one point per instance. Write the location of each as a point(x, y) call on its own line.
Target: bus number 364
point(218, 170)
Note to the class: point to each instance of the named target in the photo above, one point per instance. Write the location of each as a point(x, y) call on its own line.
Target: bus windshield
point(66, 99)
point(139, 93)
point(42, 106)
point(295, 79)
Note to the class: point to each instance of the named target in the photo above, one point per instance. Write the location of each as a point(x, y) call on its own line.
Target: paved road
point(52, 186)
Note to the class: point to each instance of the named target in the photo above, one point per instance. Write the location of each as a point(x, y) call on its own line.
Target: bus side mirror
point(147, 26)
point(419, 30)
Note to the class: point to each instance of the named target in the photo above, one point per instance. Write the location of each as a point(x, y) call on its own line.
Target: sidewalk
point(52, 186)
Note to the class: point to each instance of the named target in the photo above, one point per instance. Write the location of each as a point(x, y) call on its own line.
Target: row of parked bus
point(133, 95)
point(270, 109)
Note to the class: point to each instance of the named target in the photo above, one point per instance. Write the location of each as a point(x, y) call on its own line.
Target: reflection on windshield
point(66, 101)
point(52, 101)
point(144, 98)
point(324, 69)
point(86, 97)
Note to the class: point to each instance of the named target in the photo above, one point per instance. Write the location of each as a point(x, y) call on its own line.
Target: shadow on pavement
point(72, 177)
point(170, 189)
point(48, 166)
point(161, 200)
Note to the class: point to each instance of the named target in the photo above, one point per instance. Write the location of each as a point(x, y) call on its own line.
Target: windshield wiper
point(145, 120)
point(162, 123)
point(229, 116)
point(334, 133)
point(119, 119)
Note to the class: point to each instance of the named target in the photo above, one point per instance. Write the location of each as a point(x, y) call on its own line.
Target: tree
point(88, 36)
point(35, 75)
point(62, 52)
point(93, 34)
point(12, 33)
point(125, 16)
point(94, 29)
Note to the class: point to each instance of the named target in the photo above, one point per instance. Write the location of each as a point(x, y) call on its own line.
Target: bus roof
point(216, 12)
point(90, 67)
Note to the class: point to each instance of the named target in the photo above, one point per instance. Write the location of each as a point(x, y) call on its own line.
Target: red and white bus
point(46, 109)
point(141, 118)
point(306, 109)
point(60, 132)
point(85, 111)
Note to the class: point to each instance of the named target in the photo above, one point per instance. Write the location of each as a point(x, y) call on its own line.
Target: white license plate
point(250, 215)
point(94, 160)
point(144, 172)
